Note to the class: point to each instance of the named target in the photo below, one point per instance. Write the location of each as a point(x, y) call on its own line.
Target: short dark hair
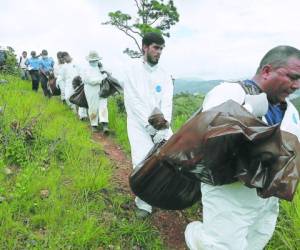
point(278, 57)
point(152, 37)
point(64, 53)
point(59, 54)
point(44, 52)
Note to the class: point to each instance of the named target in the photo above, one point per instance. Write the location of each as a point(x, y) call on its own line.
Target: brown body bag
point(220, 146)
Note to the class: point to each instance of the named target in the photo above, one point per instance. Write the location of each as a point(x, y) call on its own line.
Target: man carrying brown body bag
point(251, 152)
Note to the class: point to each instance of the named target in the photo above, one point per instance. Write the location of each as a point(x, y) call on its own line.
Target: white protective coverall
point(69, 71)
point(59, 79)
point(98, 112)
point(234, 216)
point(145, 88)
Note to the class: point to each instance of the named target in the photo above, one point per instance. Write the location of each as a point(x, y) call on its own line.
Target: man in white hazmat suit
point(234, 216)
point(146, 87)
point(58, 74)
point(68, 71)
point(92, 78)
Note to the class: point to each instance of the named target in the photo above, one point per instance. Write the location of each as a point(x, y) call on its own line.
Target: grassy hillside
point(56, 190)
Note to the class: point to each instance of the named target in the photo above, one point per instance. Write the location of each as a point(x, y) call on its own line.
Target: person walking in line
point(22, 66)
point(33, 65)
point(46, 67)
point(69, 71)
point(58, 74)
point(92, 78)
point(146, 86)
point(234, 216)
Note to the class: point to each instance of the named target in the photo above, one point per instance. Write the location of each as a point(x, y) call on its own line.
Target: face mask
point(94, 63)
point(44, 57)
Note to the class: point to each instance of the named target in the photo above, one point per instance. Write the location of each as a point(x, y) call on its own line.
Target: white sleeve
point(167, 100)
point(135, 105)
point(58, 74)
point(222, 93)
point(63, 73)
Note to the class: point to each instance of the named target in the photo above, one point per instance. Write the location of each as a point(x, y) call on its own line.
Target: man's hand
point(161, 135)
point(257, 104)
point(150, 130)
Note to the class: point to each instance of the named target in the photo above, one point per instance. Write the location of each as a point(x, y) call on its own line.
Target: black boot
point(105, 128)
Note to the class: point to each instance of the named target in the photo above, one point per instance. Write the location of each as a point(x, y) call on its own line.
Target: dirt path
point(171, 224)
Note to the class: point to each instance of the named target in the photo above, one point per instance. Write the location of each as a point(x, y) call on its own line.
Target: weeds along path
point(170, 224)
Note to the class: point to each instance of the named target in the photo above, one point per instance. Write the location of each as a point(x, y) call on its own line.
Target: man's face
point(24, 54)
point(283, 81)
point(152, 53)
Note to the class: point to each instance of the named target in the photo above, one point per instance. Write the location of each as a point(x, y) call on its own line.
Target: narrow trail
point(170, 224)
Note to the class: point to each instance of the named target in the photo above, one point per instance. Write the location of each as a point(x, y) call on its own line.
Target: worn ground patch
point(170, 224)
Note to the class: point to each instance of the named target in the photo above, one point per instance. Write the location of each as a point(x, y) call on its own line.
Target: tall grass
point(56, 190)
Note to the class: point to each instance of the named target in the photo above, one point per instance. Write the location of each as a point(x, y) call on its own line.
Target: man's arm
point(222, 93)
point(167, 101)
point(20, 62)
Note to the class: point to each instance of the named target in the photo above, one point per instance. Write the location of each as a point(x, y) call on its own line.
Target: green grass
point(45, 148)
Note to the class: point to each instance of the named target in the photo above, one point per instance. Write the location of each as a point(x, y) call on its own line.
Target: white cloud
point(214, 38)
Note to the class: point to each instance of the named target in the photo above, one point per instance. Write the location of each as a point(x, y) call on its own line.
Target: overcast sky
point(214, 39)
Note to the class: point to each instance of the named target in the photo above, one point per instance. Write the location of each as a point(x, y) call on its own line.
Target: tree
point(153, 16)
point(10, 63)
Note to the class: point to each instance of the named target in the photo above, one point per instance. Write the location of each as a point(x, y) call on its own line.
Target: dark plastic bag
point(160, 184)
point(79, 97)
point(76, 82)
point(157, 120)
point(53, 89)
point(220, 146)
point(109, 86)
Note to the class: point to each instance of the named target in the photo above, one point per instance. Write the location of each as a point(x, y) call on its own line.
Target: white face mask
point(93, 63)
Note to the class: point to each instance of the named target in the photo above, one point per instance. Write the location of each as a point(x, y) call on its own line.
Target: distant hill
point(194, 85)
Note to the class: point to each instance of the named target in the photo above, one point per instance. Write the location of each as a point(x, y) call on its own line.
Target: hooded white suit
point(59, 79)
point(92, 77)
point(68, 72)
point(145, 88)
point(234, 216)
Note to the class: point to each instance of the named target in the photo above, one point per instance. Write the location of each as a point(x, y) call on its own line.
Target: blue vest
point(47, 64)
point(275, 111)
point(33, 63)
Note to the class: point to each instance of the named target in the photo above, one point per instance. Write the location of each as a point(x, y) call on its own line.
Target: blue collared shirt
point(33, 63)
point(275, 111)
point(46, 64)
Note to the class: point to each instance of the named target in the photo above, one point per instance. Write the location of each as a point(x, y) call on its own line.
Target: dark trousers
point(35, 78)
point(44, 81)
